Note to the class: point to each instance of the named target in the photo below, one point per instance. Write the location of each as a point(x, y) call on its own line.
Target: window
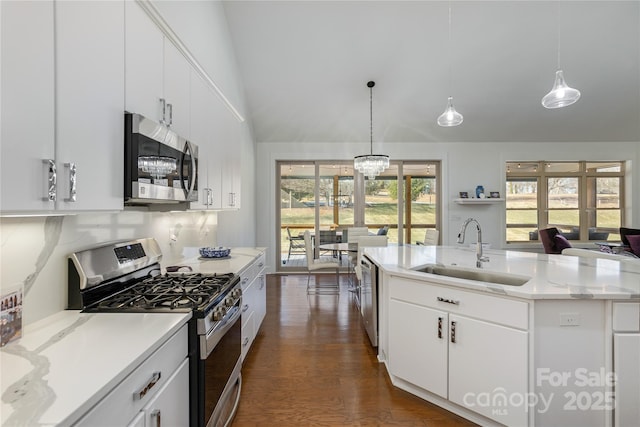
point(322, 195)
point(584, 200)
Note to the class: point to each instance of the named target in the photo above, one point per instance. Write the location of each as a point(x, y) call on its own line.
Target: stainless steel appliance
point(369, 298)
point(126, 277)
point(160, 166)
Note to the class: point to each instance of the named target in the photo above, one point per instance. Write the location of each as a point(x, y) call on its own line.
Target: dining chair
point(430, 237)
point(296, 244)
point(327, 236)
point(364, 242)
point(314, 264)
point(353, 235)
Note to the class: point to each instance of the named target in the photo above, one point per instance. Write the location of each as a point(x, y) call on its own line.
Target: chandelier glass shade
point(561, 94)
point(371, 165)
point(450, 117)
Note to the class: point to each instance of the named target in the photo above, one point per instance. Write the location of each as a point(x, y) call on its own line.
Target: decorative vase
point(479, 191)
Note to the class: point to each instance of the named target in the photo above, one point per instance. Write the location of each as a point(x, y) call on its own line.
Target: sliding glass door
point(325, 197)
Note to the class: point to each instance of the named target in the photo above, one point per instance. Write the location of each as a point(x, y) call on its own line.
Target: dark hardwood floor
point(312, 364)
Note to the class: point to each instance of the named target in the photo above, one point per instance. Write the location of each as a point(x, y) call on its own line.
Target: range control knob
point(218, 313)
point(229, 301)
point(236, 293)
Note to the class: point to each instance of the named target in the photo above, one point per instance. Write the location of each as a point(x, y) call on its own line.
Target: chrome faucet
point(463, 229)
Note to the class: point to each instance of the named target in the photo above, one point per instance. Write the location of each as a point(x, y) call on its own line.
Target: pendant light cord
point(371, 116)
point(449, 52)
point(558, 34)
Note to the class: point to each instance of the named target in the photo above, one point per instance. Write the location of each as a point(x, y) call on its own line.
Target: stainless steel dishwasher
point(369, 298)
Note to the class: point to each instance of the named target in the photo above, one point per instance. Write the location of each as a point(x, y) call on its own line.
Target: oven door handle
point(213, 338)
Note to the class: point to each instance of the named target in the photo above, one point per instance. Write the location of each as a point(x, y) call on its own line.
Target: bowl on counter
point(219, 252)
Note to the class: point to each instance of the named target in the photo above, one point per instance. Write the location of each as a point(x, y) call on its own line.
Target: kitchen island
point(559, 345)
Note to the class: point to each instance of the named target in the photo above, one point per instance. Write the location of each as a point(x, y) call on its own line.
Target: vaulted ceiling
point(305, 65)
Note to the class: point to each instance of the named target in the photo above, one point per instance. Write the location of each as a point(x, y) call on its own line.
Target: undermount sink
point(474, 274)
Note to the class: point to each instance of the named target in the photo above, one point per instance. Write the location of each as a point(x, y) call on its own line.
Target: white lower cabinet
point(488, 369)
point(169, 407)
point(428, 345)
point(254, 301)
point(626, 363)
point(158, 389)
point(469, 348)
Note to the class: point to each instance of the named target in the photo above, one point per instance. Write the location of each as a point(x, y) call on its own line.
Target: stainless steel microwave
point(160, 166)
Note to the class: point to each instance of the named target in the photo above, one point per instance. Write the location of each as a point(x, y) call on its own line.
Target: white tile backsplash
point(34, 250)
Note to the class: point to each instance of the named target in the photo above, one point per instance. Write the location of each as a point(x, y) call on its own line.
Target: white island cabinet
point(445, 341)
point(626, 362)
point(561, 348)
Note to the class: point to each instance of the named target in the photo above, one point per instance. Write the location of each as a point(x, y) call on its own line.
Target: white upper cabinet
point(157, 75)
point(62, 106)
point(144, 63)
point(218, 135)
point(27, 104)
point(90, 104)
point(232, 165)
point(203, 134)
point(176, 89)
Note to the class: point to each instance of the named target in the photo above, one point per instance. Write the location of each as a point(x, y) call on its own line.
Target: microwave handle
point(194, 168)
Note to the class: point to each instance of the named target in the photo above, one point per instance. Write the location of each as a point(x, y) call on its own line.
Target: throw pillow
point(634, 242)
point(561, 242)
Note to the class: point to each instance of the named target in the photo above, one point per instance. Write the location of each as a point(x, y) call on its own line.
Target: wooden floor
point(312, 364)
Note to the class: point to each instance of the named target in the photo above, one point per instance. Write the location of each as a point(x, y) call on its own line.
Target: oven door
point(160, 166)
point(220, 366)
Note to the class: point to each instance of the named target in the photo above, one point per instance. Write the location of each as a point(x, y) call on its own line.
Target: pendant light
point(561, 94)
point(450, 117)
point(371, 164)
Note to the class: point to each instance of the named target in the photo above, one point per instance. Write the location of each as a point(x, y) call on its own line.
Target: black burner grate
point(186, 291)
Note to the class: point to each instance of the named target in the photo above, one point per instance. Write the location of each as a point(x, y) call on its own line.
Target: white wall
point(464, 165)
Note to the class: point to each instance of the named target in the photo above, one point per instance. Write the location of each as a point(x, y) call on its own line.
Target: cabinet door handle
point(246, 341)
point(52, 180)
point(164, 111)
point(73, 192)
point(157, 416)
point(449, 301)
point(261, 282)
point(261, 265)
point(453, 331)
point(170, 108)
point(245, 280)
point(245, 307)
point(209, 196)
point(144, 390)
point(440, 327)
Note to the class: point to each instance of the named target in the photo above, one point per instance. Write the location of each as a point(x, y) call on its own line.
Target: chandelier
point(371, 165)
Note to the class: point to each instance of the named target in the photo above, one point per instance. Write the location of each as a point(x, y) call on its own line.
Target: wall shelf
point(487, 201)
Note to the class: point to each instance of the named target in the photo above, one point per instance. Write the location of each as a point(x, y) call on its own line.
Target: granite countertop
point(64, 364)
point(236, 262)
point(552, 276)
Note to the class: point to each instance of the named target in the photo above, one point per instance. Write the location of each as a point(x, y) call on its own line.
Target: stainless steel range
point(126, 276)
